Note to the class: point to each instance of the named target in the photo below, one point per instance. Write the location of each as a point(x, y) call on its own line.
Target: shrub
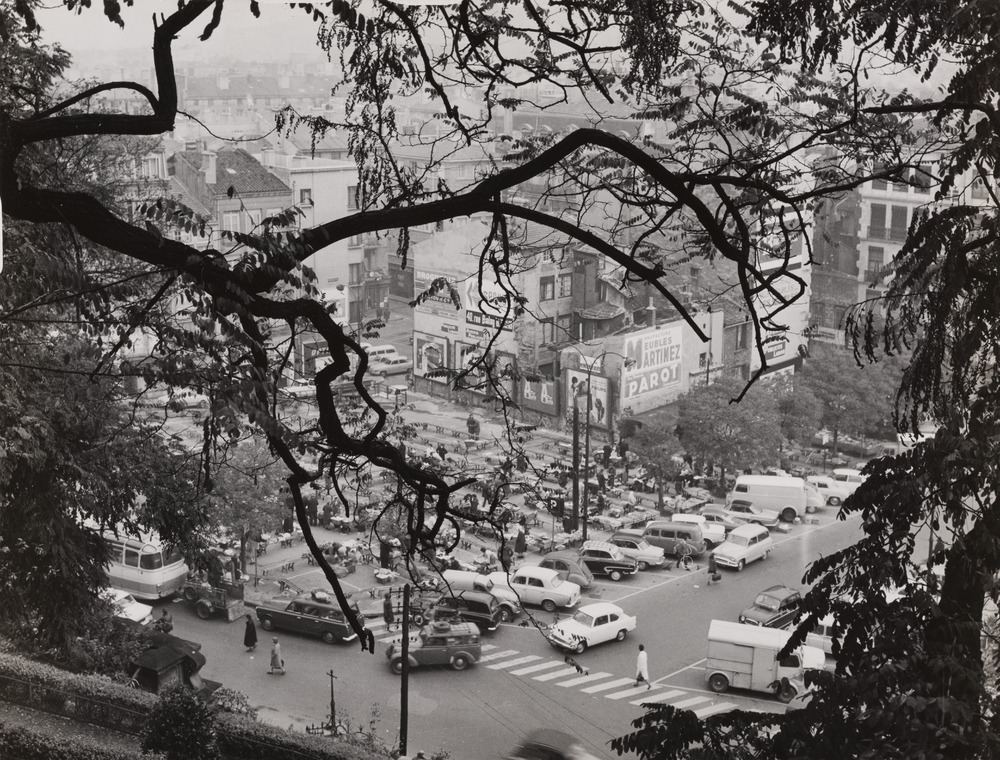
point(232, 701)
point(248, 740)
point(21, 742)
point(181, 726)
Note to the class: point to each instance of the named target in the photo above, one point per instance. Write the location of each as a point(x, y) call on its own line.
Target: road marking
point(558, 674)
point(488, 647)
point(536, 668)
point(609, 685)
point(584, 679)
point(687, 703)
point(512, 663)
point(706, 711)
point(498, 655)
point(686, 667)
point(662, 696)
point(628, 693)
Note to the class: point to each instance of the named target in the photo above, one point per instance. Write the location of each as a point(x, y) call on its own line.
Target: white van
point(378, 353)
point(848, 478)
point(789, 497)
point(466, 580)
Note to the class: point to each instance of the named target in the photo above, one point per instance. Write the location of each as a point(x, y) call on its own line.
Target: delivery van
point(746, 657)
point(466, 580)
point(789, 497)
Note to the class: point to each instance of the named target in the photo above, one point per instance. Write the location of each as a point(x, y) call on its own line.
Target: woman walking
point(642, 668)
point(277, 664)
point(250, 636)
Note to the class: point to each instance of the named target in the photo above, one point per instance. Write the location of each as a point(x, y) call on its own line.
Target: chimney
point(208, 166)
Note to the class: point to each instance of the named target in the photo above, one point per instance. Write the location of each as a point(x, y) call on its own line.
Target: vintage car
point(591, 624)
point(440, 643)
point(743, 511)
point(477, 607)
point(550, 744)
point(635, 546)
point(774, 607)
point(604, 558)
point(315, 613)
point(127, 607)
point(569, 567)
point(744, 545)
point(540, 586)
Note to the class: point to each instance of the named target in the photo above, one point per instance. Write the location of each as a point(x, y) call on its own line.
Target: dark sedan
point(315, 614)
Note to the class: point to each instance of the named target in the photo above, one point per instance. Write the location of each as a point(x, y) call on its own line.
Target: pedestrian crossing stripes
point(607, 686)
point(662, 696)
point(557, 674)
point(512, 663)
point(536, 668)
point(584, 679)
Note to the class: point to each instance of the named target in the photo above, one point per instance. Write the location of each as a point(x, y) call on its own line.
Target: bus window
point(152, 561)
point(131, 557)
point(172, 555)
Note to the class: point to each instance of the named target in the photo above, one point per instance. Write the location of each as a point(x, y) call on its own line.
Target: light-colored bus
point(144, 566)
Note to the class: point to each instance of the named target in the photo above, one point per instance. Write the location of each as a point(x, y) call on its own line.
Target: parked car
point(669, 536)
point(744, 511)
point(440, 643)
point(471, 607)
point(716, 515)
point(390, 365)
point(743, 545)
point(591, 624)
point(127, 607)
point(550, 744)
point(635, 546)
point(314, 613)
point(604, 558)
point(540, 586)
point(468, 580)
point(774, 607)
point(848, 478)
point(714, 533)
point(569, 567)
point(833, 491)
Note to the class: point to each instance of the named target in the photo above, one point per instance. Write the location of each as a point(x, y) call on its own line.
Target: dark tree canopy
point(754, 127)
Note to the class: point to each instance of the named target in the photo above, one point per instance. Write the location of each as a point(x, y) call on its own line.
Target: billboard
point(430, 353)
point(539, 395)
point(657, 355)
point(599, 408)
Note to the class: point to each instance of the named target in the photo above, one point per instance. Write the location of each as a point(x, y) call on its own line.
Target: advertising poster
point(430, 354)
point(576, 384)
point(539, 395)
point(488, 306)
point(657, 369)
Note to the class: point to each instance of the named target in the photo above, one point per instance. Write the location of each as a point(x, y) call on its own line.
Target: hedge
point(20, 743)
point(89, 698)
point(248, 740)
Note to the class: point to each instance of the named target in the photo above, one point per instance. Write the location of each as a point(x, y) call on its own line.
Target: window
point(919, 182)
point(131, 558)
point(535, 582)
point(565, 285)
point(352, 197)
point(354, 274)
point(877, 226)
point(151, 167)
point(564, 324)
point(255, 216)
point(743, 336)
point(548, 331)
point(151, 561)
point(306, 196)
point(898, 224)
point(547, 288)
point(231, 221)
point(876, 259)
point(354, 241)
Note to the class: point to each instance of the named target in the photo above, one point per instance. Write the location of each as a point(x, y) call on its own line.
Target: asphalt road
point(522, 682)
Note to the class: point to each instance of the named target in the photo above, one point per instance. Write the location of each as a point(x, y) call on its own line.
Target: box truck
point(789, 497)
point(746, 657)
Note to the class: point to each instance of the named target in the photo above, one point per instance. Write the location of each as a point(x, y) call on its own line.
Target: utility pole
point(586, 463)
point(576, 463)
point(333, 705)
point(404, 695)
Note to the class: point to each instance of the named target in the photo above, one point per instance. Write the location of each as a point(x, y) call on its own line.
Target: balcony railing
point(888, 233)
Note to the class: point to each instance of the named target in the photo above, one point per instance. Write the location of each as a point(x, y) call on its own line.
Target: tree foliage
point(181, 727)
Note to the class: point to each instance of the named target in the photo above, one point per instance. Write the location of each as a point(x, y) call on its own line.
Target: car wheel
point(766, 554)
point(581, 646)
point(622, 634)
point(506, 615)
point(397, 666)
point(643, 566)
point(786, 693)
point(267, 623)
point(740, 565)
point(204, 610)
point(328, 637)
point(615, 575)
point(548, 605)
point(755, 522)
point(834, 501)
point(190, 594)
point(459, 662)
point(417, 618)
point(788, 514)
point(718, 683)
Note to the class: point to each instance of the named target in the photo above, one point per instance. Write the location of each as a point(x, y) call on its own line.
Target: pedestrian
point(387, 610)
point(602, 483)
point(276, 662)
point(611, 477)
point(250, 636)
point(713, 570)
point(642, 668)
point(520, 542)
point(684, 552)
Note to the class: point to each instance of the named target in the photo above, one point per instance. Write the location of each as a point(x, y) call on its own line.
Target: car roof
point(561, 555)
point(481, 596)
point(535, 570)
point(600, 608)
point(780, 588)
point(748, 529)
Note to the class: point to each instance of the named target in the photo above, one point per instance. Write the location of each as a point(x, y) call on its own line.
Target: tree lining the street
point(735, 179)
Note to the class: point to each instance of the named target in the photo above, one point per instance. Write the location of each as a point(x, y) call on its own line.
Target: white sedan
point(592, 624)
point(834, 491)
